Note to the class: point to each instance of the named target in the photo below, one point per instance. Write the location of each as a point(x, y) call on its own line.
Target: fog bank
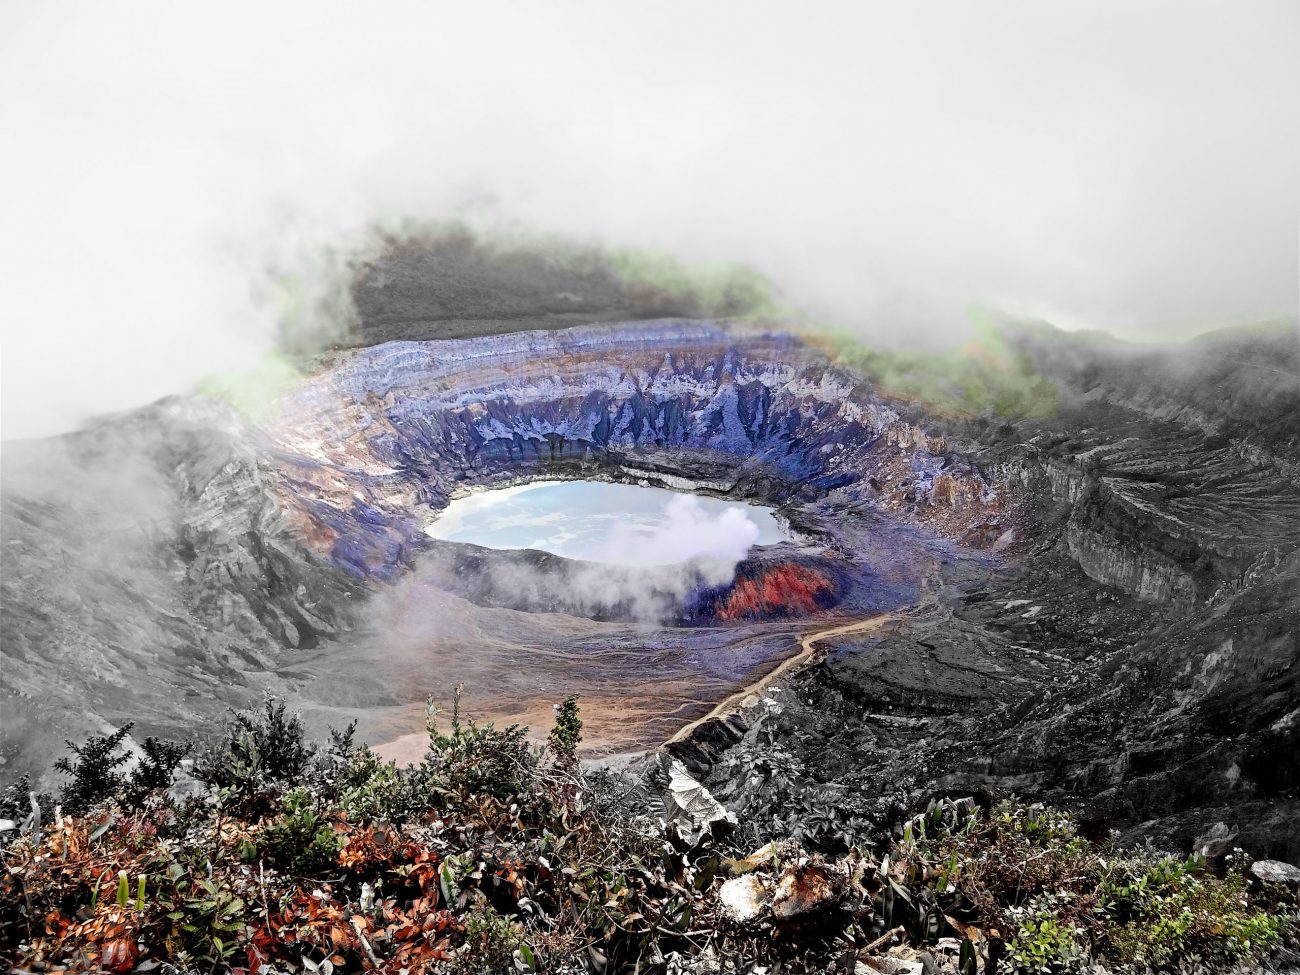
point(1101, 164)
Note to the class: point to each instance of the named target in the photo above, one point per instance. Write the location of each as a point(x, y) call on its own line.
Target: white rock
point(744, 898)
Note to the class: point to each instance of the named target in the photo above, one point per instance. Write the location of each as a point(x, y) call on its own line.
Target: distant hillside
point(453, 283)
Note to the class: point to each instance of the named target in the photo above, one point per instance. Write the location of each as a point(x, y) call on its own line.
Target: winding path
point(808, 644)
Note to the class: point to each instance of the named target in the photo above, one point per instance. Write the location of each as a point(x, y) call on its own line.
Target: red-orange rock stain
point(785, 589)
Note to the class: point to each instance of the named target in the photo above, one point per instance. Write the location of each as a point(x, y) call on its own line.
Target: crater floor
point(294, 559)
point(385, 436)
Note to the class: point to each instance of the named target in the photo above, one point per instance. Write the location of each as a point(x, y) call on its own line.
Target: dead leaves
point(405, 937)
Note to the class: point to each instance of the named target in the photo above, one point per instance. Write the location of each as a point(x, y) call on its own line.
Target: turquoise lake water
point(620, 523)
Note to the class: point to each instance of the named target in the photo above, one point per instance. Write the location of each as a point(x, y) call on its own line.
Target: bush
point(377, 791)
point(158, 762)
point(261, 753)
point(1174, 913)
point(474, 759)
point(567, 733)
point(207, 921)
point(94, 771)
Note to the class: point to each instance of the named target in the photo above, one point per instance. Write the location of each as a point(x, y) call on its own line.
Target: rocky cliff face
point(385, 435)
point(1141, 661)
point(1164, 514)
point(148, 574)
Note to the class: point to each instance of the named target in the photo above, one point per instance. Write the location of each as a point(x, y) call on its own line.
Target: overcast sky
point(889, 163)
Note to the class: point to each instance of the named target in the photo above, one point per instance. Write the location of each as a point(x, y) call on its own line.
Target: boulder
point(1275, 872)
point(888, 965)
point(691, 808)
point(1215, 842)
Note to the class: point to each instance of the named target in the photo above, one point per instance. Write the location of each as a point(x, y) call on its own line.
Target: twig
point(370, 952)
point(883, 940)
point(266, 904)
point(686, 934)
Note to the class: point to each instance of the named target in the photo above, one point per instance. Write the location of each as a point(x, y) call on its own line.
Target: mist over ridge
point(1092, 164)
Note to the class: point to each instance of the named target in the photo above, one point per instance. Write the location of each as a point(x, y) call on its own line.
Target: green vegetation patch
point(985, 376)
point(494, 854)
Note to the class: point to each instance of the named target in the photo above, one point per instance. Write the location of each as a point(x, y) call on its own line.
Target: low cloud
point(181, 168)
point(616, 524)
point(688, 532)
point(649, 595)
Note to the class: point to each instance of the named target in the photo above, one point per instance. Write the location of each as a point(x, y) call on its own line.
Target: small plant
point(490, 942)
point(208, 924)
point(1042, 944)
point(301, 841)
point(567, 733)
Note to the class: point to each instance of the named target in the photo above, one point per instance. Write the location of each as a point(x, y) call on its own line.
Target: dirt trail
point(808, 644)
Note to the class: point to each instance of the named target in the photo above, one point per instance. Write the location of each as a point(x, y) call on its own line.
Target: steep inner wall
point(1140, 661)
point(386, 434)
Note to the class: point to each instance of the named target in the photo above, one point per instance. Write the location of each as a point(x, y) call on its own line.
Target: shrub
point(154, 770)
point(567, 733)
point(377, 791)
point(477, 759)
point(1026, 870)
point(207, 924)
point(94, 770)
point(260, 754)
point(1173, 913)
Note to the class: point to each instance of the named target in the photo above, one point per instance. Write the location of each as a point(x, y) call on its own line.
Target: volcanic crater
point(1095, 607)
point(382, 438)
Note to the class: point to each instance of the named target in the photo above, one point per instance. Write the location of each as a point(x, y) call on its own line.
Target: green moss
point(253, 392)
point(715, 290)
point(983, 377)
